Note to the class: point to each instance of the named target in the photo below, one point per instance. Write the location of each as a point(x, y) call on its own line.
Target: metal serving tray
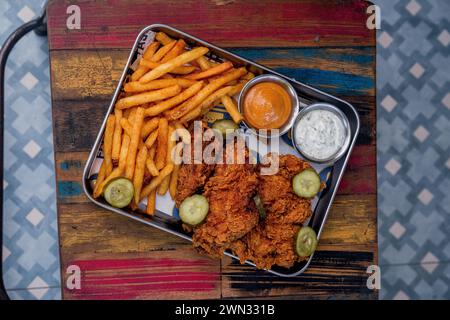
point(307, 96)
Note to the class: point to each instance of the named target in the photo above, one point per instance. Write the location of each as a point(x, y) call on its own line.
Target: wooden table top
point(322, 43)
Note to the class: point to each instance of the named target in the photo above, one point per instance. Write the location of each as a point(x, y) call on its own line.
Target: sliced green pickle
point(225, 126)
point(119, 192)
point(194, 209)
point(306, 184)
point(306, 242)
point(259, 206)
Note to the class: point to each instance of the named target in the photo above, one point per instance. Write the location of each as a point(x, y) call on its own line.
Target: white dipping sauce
point(320, 134)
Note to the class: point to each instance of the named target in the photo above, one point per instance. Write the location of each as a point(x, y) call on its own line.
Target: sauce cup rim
point(328, 107)
point(289, 89)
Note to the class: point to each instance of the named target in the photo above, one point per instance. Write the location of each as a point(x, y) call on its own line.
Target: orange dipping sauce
point(267, 105)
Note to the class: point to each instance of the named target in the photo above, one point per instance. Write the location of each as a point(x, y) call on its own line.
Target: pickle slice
point(306, 242)
point(194, 209)
point(306, 184)
point(225, 126)
point(119, 192)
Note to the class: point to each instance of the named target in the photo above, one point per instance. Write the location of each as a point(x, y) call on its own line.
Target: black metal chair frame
point(39, 25)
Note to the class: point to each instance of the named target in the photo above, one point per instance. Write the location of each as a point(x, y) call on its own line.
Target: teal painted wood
point(336, 70)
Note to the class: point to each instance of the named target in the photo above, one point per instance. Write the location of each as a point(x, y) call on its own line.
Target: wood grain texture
point(134, 275)
point(321, 43)
point(304, 23)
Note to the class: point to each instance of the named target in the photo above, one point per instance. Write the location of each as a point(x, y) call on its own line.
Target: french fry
point(211, 72)
point(100, 178)
point(174, 181)
point(162, 52)
point(172, 64)
point(178, 70)
point(146, 97)
point(237, 88)
point(149, 126)
point(231, 108)
point(196, 100)
point(126, 113)
point(136, 86)
point(208, 102)
point(107, 143)
point(161, 150)
point(124, 151)
point(156, 181)
point(117, 137)
point(176, 153)
point(139, 171)
point(151, 49)
point(151, 139)
point(126, 126)
point(203, 63)
point(163, 38)
point(134, 143)
point(152, 151)
point(151, 203)
point(174, 101)
point(164, 186)
point(176, 51)
point(248, 76)
point(191, 115)
point(117, 172)
point(149, 52)
point(183, 70)
point(150, 164)
point(179, 126)
point(131, 115)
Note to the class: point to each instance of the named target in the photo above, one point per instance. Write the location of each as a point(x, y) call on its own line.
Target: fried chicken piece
point(272, 242)
point(232, 212)
point(192, 177)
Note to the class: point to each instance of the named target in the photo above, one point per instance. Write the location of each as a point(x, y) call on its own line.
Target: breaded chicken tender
point(272, 242)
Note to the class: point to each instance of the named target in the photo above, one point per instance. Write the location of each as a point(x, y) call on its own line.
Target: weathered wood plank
point(183, 274)
point(343, 72)
point(305, 23)
point(336, 273)
point(84, 226)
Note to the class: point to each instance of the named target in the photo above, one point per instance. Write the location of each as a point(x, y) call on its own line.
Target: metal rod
point(4, 53)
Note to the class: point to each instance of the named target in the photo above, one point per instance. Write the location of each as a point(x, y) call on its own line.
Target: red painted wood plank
point(360, 175)
point(116, 23)
point(157, 277)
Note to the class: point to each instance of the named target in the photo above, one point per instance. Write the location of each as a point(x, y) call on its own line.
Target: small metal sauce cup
point(294, 100)
point(328, 107)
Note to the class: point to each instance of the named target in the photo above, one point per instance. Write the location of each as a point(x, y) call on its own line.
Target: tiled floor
point(30, 252)
point(413, 84)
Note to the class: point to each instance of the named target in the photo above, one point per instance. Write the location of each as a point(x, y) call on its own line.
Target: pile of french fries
point(171, 87)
